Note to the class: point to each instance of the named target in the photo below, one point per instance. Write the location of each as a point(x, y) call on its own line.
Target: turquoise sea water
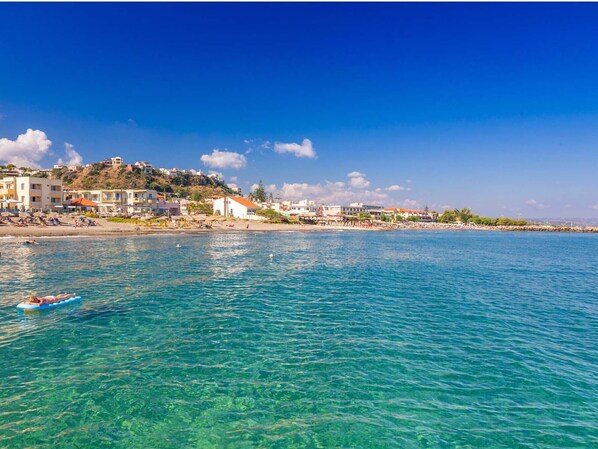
point(344, 339)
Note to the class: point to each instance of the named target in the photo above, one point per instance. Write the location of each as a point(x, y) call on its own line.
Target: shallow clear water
point(344, 339)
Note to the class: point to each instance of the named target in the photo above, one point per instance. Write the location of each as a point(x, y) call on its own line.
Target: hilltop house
point(237, 207)
point(145, 167)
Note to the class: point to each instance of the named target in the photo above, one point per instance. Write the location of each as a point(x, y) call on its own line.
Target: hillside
point(101, 176)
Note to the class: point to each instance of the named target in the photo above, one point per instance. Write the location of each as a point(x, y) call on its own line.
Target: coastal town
point(27, 190)
point(41, 197)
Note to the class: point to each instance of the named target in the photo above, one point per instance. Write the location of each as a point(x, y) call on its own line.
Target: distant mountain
point(105, 176)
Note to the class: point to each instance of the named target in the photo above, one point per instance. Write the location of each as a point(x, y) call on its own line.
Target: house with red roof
point(236, 207)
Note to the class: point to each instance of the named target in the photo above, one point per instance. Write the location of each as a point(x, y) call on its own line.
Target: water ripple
point(377, 340)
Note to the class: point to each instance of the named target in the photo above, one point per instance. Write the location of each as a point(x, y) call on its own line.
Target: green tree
point(196, 196)
point(463, 215)
point(272, 216)
point(448, 216)
point(259, 194)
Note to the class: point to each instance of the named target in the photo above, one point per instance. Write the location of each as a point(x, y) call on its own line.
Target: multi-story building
point(303, 207)
point(116, 161)
point(30, 193)
point(351, 209)
point(125, 201)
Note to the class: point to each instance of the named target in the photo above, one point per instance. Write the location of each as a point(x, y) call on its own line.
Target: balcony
point(143, 201)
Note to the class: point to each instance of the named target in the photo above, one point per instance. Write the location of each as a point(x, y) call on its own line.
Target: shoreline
point(105, 229)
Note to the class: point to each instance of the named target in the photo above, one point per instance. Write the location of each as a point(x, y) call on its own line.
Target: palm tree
point(464, 215)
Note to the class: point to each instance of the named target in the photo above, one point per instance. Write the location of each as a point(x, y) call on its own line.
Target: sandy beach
point(106, 228)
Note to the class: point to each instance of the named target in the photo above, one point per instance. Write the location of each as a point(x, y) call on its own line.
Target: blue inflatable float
point(26, 306)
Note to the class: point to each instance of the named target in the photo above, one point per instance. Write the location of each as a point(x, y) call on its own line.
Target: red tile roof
point(245, 202)
point(84, 202)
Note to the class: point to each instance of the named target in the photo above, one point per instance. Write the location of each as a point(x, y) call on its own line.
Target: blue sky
point(488, 106)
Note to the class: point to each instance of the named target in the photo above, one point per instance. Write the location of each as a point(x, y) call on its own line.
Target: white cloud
point(395, 188)
point(269, 188)
point(446, 206)
point(534, 203)
point(329, 193)
point(74, 158)
point(306, 149)
point(256, 144)
point(2, 116)
point(595, 207)
point(298, 191)
point(233, 178)
point(224, 159)
point(27, 150)
point(358, 180)
point(410, 204)
point(360, 183)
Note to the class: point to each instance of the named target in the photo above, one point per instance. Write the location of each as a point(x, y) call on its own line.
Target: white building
point(125, 201)
point(276, 206)
point(216, 177)
point(303, 207)
point(237, 207)
point(399, 212)
point(145, 167)
point(116, 161)
point(30, 193)
point(352, 209)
